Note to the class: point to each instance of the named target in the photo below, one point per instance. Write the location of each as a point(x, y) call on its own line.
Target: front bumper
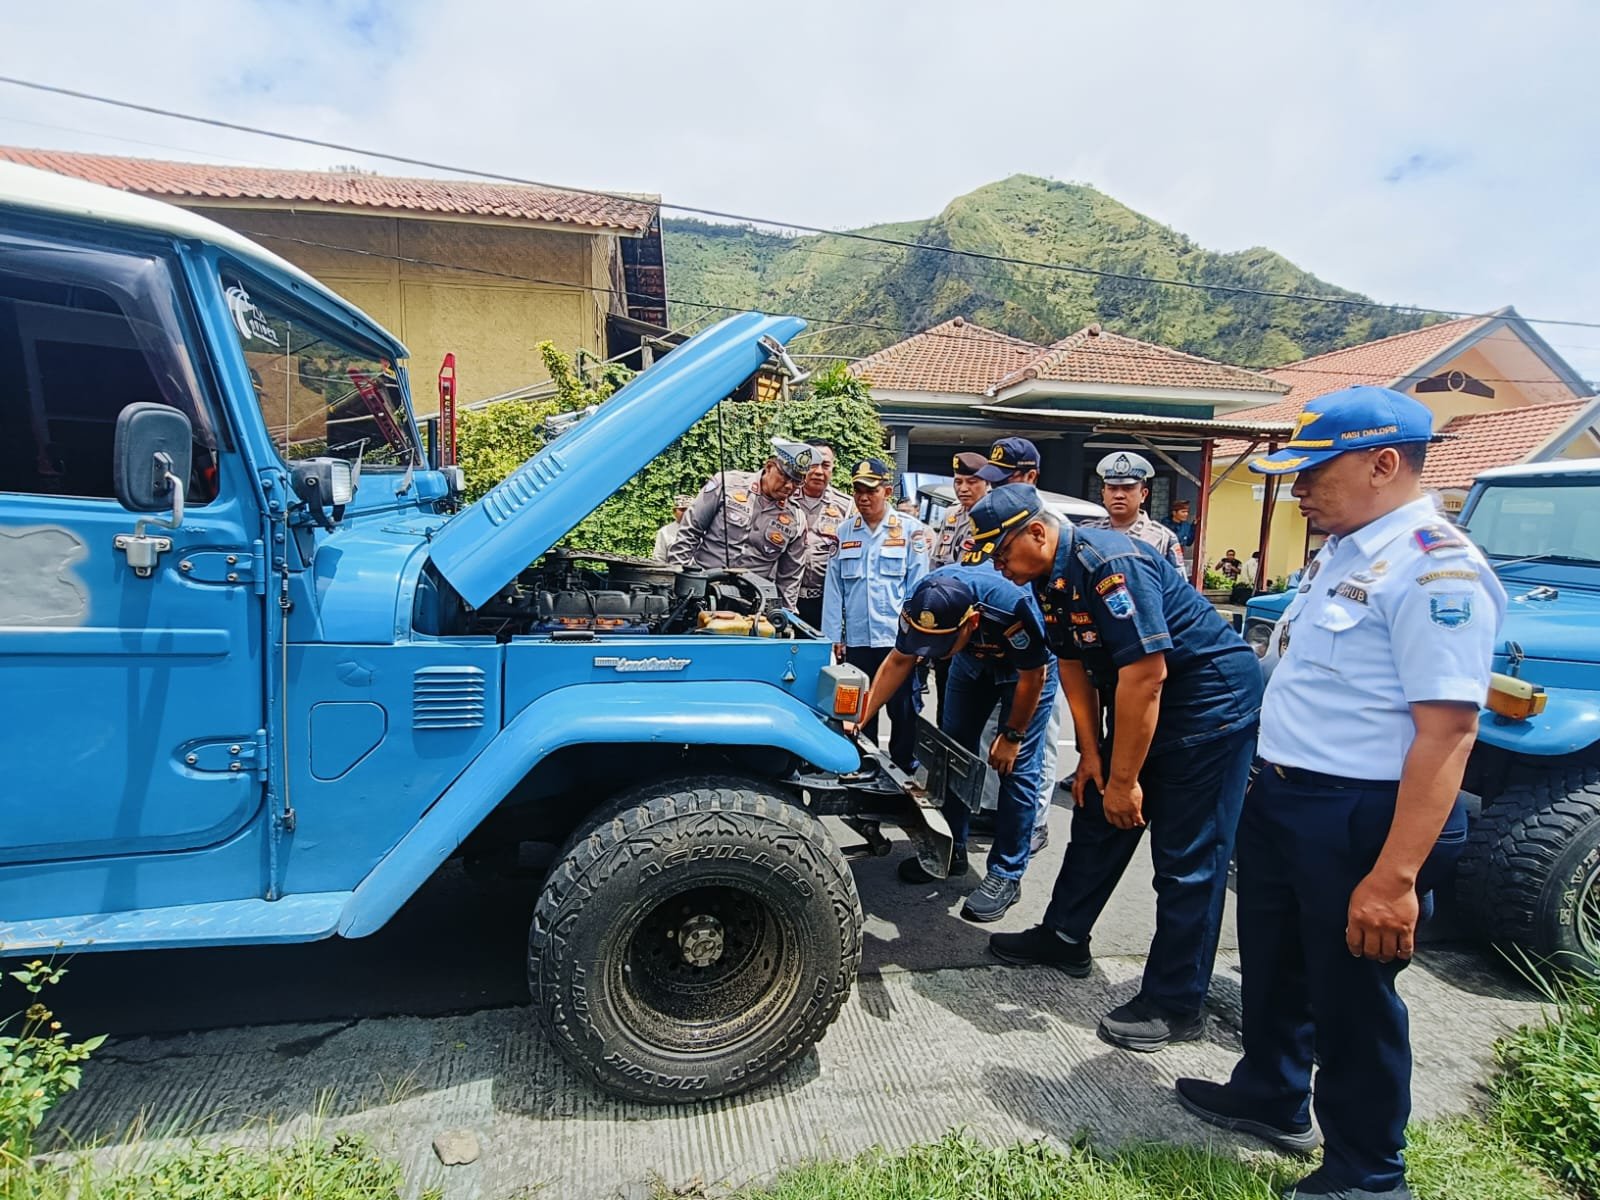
point(882, 794)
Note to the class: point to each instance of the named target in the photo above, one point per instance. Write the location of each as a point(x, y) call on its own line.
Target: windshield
point(319, 393)
point(1539, 520)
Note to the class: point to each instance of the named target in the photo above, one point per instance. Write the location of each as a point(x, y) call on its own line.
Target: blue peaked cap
point(1357, 418)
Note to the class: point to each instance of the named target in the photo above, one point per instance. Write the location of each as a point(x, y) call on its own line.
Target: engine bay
point(571, 594)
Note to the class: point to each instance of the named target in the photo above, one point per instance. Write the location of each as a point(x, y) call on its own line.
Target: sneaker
point(1041, 945)
point(1321, 1187)
point(994, 896)
point(1041, 839)
point(910, 870)
point(1212, 1103)
point(1145, 1026)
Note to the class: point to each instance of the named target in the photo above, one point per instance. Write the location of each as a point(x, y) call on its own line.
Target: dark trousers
point(1192, 799)
point(809, 610)
point(902, 712)
point(1304, 845)
point(974, 691)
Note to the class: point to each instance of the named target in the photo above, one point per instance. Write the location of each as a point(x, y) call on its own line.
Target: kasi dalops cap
point(872, 472)
point(969, 463)
point(997, 516)
point(1357, 418)
point(1007, 457)
point(932, 615)
point(793, 458)
point(1124, 466)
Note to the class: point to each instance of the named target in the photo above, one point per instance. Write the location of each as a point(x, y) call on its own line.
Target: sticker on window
point(250, 320)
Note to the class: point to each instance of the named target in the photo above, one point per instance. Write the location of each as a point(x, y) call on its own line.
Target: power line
point(833, 320)
point(979, 255)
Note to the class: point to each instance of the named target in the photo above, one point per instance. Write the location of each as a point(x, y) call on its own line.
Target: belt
point(1301, 777)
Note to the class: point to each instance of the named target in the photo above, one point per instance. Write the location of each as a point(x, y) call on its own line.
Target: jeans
point(1192, 798)
point(974, 690)
point(1303, 848)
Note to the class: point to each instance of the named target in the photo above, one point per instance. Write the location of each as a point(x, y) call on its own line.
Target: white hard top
point(45, 191)
point(1554, 466)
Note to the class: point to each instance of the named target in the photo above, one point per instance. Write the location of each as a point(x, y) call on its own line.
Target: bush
point(835, 407)
point(1548, 1097)
point(38, 1064)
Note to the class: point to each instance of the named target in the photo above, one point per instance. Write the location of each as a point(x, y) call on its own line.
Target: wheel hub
point(1588, 915)
point(700, 940)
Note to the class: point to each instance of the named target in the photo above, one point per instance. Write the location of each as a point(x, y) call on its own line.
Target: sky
point(1438, 154)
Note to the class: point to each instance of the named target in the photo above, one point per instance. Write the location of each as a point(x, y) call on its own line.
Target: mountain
point(833, 278)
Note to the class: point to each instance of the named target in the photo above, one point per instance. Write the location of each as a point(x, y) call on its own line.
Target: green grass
point(342, 1168)
point(1459, 1159)
point(1547, 1097)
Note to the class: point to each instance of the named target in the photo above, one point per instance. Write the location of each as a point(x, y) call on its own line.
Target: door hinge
point(226, 756)
point(245, 565)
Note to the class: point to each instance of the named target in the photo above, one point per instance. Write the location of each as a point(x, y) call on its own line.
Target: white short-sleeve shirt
point(1405, 609)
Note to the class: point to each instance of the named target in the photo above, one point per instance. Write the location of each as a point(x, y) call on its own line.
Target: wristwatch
point(1011, 735)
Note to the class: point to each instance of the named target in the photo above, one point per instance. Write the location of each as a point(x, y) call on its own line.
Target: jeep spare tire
point(1530, 874)
point(694, 940)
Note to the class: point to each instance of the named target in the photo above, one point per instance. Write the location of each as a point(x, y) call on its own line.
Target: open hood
point(484, 546)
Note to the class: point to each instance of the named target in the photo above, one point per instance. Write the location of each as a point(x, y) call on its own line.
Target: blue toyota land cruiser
point(264, 673)
point(1530, 875)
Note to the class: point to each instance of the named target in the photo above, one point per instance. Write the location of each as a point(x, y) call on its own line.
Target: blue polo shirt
point(1010, 633)
point(1110, 600)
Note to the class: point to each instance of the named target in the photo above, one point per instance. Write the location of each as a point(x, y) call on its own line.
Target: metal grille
point(447, 698)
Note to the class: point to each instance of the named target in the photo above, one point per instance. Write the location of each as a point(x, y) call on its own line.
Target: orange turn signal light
point(847, 699)
point(1515, 699)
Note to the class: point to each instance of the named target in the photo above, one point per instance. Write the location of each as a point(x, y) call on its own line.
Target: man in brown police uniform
point(748, 519)
point(826, 508)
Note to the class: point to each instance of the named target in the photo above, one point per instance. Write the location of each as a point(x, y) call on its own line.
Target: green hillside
point(835, 278)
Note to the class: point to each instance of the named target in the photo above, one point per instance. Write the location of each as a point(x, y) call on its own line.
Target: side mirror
point(151, 458)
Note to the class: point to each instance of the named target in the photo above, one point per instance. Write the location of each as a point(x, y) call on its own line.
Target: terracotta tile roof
point(1500, 438)
point(1379, 363)
point(1094, 356)
point(956, 356)
point(446, 197)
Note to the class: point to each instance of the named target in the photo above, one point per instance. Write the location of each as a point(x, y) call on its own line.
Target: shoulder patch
point(1432, 538)
point(1110, 583)
point(1452, 610)
point(1119, 600)
point(1017, 635)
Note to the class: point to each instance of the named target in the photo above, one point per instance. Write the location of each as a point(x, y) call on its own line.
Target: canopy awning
point(1142, 423)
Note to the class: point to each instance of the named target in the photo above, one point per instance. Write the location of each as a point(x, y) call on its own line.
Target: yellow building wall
point(492, 324)
point(1233, 520)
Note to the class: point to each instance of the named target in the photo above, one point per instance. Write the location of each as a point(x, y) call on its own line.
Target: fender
point(688, 713)
point(1570, 722)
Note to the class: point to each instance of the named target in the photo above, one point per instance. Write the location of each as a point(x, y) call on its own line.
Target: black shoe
point(1145, 1026)
point(1041, 945)
point(982, 822)
point(1322, 1188)
point(1213, 1105)
point(994, 896)
point(1041, 839)
point(910, 870)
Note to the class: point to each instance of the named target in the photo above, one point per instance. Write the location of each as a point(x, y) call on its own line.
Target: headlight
point(1258, 635)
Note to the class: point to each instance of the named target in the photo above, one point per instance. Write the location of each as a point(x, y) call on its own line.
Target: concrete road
point(424, 1028)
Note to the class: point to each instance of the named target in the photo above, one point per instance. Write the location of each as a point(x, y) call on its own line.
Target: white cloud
point(1425, 153)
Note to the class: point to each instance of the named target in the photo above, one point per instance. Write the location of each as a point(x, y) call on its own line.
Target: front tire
point(693, 941)
point(1530, 873)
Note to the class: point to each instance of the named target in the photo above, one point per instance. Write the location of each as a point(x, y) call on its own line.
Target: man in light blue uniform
point(883, 555)
point(1369, 716)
